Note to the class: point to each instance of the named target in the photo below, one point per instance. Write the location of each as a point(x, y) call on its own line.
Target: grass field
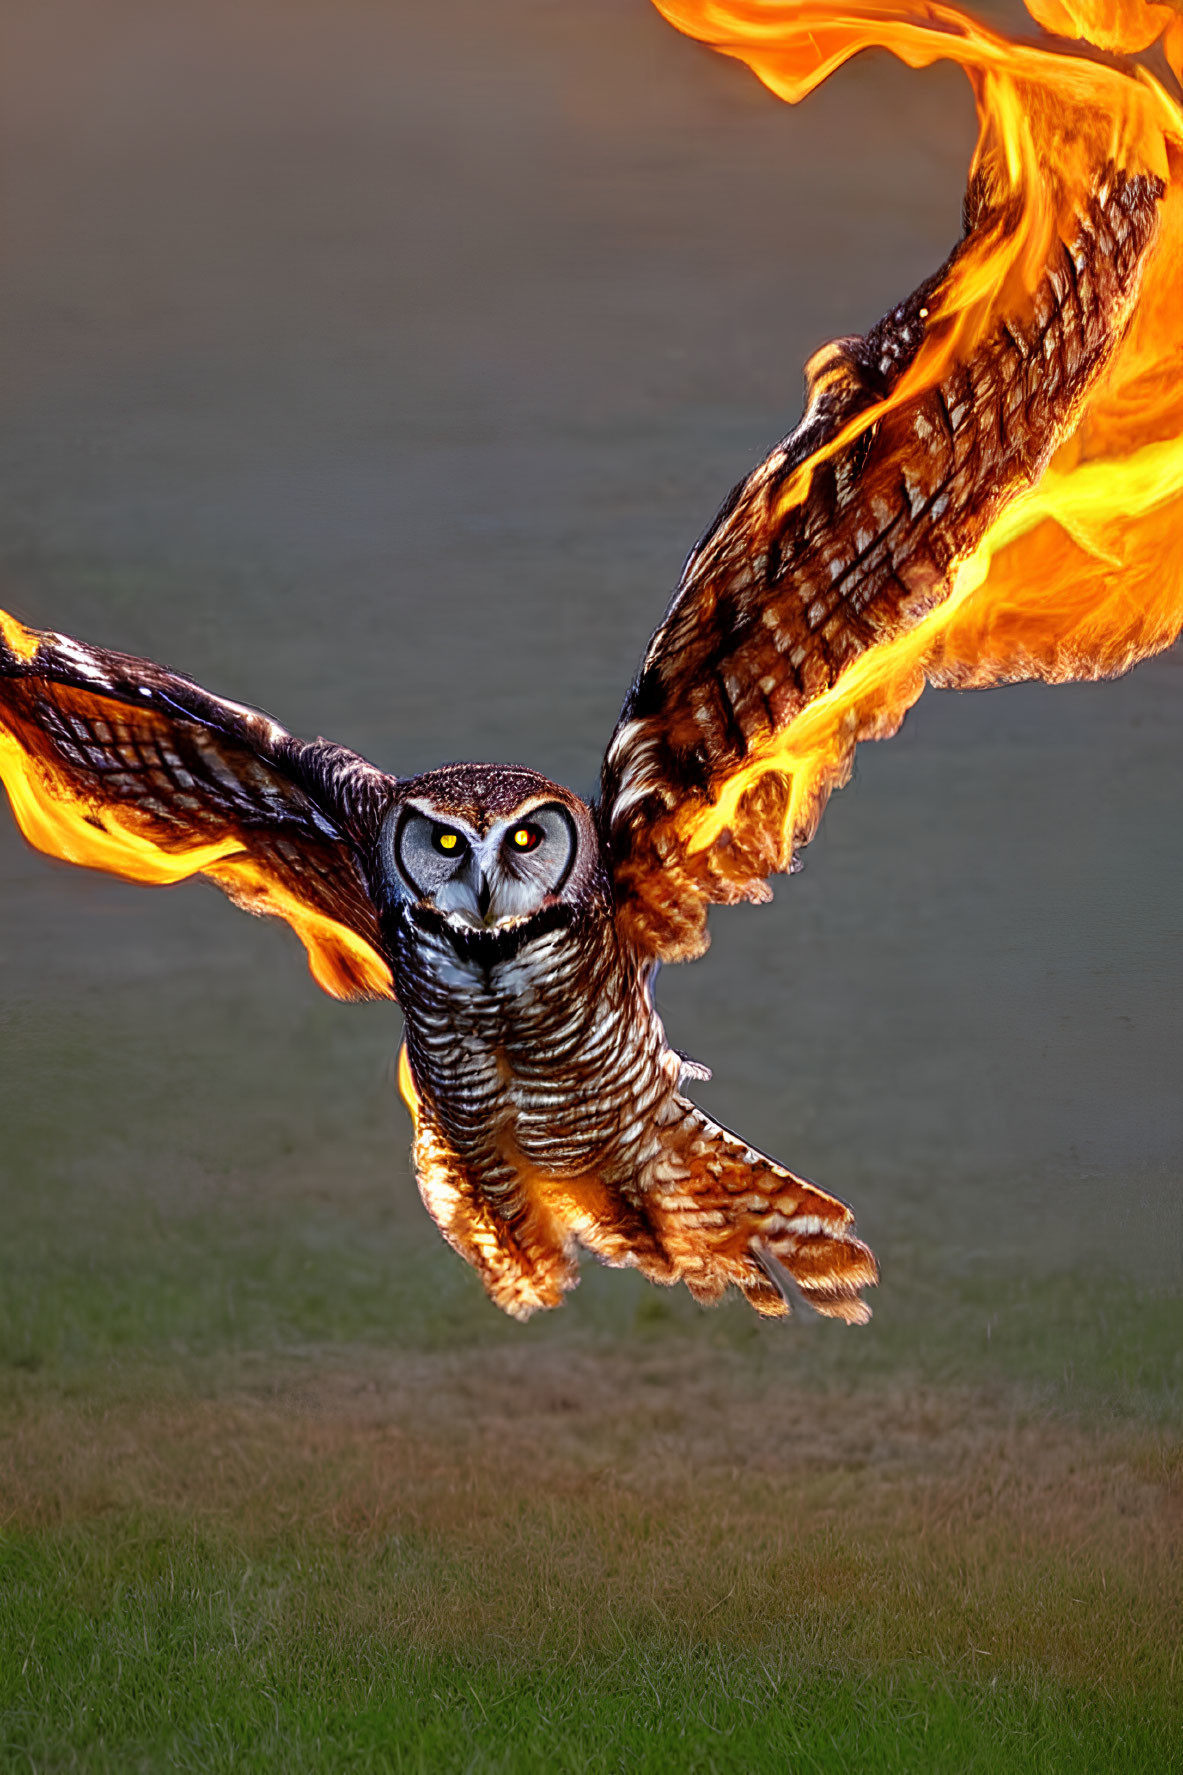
point(279, 1489)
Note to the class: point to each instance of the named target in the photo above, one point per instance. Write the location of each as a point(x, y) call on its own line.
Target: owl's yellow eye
point(524, 838)
point(444, 839)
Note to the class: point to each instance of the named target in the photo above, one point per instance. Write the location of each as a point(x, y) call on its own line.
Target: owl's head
point(490, 845)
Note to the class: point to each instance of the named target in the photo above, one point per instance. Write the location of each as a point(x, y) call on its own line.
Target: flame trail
point(1080, 575)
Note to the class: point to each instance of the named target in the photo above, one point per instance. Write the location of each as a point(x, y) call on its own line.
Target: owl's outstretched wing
point(117, 763)
point(787, 640)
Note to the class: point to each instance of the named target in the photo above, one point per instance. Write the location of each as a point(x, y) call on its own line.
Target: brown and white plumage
point(520, 927)
point(848, 535)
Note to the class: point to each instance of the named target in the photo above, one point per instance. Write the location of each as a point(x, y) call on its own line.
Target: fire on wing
point(60, 821)
point(1081, 575)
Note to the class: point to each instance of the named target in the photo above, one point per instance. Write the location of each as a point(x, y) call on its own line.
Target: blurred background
point(377, 365)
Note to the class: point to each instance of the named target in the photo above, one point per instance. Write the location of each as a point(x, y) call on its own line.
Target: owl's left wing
point(798, 628)
point(117, 763)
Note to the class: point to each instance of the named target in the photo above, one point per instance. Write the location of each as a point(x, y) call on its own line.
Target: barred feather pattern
point(548, 1116)
point(118, 763)
point(788, 588)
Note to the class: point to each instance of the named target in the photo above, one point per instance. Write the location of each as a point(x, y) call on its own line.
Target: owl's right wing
point(117, 763)
point(833, 551)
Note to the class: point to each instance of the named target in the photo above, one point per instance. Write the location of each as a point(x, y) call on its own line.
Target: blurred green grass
point(144, 1650)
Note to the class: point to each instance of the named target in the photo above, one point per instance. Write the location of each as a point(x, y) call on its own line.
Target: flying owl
point(520, 926)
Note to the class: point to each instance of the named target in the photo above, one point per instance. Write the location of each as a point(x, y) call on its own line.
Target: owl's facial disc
point(486, 880)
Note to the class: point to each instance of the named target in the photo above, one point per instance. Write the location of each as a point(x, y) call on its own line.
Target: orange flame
point(407, 1088)
point(21, 641)
point(1123, 25)
point(54, 820)
point(57, 821)
point(1082, 575)
point(340, 961)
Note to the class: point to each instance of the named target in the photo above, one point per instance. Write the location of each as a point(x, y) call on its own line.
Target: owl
point(520, 926)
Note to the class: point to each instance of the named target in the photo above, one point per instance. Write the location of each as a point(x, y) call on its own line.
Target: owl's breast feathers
point(548, 1116)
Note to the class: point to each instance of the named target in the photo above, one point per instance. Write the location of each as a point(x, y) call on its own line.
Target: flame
point(54, 820)
point(1082, 575)
point(407, 1089)
point(340, 961)
point(1123, 25)
point(20, 640)
point(57, 821)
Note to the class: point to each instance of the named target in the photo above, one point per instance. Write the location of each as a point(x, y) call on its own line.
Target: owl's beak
point(479, 885)
point(468, 896)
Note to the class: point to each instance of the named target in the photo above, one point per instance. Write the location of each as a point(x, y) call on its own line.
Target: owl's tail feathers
point(726, 1214)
